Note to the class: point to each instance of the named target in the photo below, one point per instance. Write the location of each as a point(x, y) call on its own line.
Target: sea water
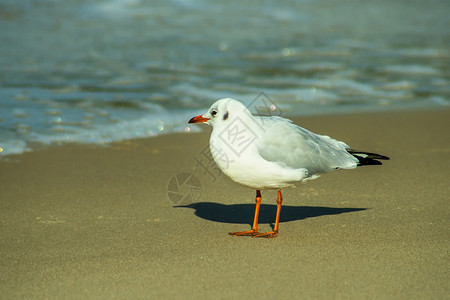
point(102, 71)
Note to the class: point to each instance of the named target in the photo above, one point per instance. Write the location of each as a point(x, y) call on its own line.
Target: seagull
point(271, 152)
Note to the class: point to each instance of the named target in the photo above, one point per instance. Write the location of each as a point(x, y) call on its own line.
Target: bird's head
point(221, 112)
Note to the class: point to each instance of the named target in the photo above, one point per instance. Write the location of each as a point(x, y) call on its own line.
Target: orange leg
point(273, 233)
point(255, 227)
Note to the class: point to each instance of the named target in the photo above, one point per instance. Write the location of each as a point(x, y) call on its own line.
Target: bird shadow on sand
point(243, 213)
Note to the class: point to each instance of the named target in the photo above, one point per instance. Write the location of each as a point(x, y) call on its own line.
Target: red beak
point(198, 119)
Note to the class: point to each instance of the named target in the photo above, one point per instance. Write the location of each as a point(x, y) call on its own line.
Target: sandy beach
point(107, 222)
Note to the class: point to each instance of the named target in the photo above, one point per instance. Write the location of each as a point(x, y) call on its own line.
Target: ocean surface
point(102, 71)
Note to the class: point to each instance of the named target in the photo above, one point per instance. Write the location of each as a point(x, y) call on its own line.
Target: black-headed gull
point(272, 153)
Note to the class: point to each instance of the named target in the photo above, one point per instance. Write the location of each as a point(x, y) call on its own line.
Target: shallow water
point(96, 72)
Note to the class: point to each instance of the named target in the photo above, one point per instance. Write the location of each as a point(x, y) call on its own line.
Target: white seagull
point(272, 153)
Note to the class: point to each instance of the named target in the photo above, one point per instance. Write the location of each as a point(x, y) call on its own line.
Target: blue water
point(101, 71)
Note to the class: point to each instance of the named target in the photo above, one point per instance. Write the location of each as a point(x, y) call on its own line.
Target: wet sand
point(98, 222)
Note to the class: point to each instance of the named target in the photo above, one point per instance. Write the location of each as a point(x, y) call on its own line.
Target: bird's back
point(284, 142)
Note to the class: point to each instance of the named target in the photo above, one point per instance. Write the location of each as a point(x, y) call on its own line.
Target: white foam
point(152, 125)
point(13, 147)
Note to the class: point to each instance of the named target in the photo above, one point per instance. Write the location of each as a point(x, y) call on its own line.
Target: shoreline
point(98, 222)
point(312, 113)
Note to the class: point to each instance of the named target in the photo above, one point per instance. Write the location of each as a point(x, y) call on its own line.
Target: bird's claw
point(255, 234)
point(244, 233)
point(270, 234)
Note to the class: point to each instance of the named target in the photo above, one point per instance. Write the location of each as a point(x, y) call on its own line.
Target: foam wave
point(149, 126)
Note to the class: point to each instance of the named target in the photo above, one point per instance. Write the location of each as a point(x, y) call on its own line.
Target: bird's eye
point(214, 113)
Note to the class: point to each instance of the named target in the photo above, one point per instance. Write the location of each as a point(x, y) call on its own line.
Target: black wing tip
point(367, 158)
point(364, 161)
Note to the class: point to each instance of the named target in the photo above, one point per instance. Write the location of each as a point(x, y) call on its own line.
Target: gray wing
point(289, 144)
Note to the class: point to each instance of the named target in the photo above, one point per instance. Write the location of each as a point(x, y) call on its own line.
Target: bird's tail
point(367, 158)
